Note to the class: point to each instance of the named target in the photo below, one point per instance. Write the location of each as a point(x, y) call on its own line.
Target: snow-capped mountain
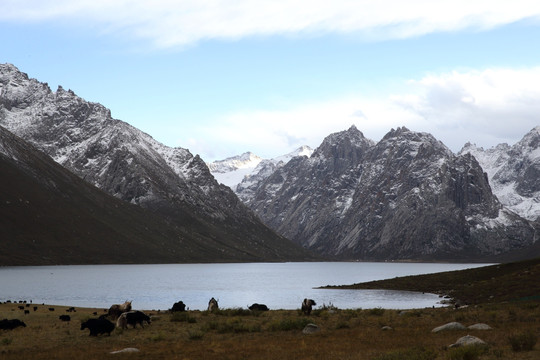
point(232, 170)
point(406, 197)
point(132, 166)
point(514, 173)
point(244, 172)
point(50, 216)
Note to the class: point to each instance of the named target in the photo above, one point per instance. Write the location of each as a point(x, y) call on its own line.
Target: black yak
point(178, 306)
point(307, 305)
point(258, 307)
point(11, 324)
point(132, 318)
point(98, 326)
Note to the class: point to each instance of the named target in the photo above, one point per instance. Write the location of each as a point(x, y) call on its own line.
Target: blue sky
point(269, 76)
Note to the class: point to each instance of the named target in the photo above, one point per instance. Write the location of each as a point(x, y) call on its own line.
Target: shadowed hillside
point(50, 216)
point(495, 283)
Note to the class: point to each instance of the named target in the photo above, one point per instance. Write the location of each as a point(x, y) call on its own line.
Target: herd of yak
point(122, 315)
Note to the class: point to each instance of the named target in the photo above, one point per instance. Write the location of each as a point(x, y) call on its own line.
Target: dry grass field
point(240, 334)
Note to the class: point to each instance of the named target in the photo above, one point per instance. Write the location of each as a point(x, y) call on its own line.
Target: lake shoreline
point(279, 285)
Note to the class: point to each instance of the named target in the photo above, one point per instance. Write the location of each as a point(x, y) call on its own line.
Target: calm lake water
point(278, 285)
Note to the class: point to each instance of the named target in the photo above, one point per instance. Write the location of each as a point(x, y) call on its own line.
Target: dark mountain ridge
point(407, 197)
point(130, 165)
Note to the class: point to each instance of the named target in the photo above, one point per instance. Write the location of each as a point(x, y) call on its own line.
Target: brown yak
point(117, 309)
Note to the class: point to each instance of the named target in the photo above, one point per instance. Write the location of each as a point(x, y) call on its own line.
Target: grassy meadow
point(277, 334)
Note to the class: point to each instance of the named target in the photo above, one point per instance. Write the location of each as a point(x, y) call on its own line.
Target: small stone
point(449, 326)
point(310, 329)
point(386, 328)
point(468, 340)
point(126, 350)
point(480, 327)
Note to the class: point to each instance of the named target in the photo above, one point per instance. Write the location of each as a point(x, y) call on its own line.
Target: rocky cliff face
point(50, 216)
point(243, 173)
point(232, 170)
point(251, 182)
point(514, 173)
point(406, 197)
point(132, 166)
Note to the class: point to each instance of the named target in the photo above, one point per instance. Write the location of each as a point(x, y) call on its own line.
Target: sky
point(224, 77)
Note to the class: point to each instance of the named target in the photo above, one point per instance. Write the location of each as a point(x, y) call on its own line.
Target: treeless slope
point(50, 216)
point(495, 283)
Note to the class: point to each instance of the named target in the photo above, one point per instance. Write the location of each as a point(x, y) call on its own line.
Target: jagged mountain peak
point(402, 134)
point(242, 175)
point(342, 144)
point(10, 69)
point(402, 146)
point(407, 196)
point(530, 142)
point(132, 166)
point(396, 132)
point(514, 172)
point(243, 161)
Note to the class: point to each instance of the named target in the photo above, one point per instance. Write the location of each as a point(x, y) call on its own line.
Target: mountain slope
point(250, 182)
point(406, 197)
point(130, 165)
point(244, 172)
point(232, 170)
point(50, 216)
point(514, 173)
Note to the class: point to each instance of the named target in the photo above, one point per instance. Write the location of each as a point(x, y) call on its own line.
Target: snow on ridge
point(247, 160)
point(506, 168)
point(234, 170)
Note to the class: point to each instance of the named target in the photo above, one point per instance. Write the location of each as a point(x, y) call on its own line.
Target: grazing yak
point(98, 326)
point(117, 309)
point(307, 305)
point(11, 324)
point(258, 307)
point(65, 317)
point(213, 305)
point(178, 306)
point(132, 318)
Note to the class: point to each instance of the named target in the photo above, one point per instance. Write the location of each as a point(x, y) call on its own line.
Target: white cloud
point(485, 107)
point(176, 23)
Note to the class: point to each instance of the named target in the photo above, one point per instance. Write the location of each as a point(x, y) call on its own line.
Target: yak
point(11, 324)
point(117, 309)
point(98, 326)
point(213, 305)
point(178, 306)
point(258, 307)
point(307, 305)
point(132, 318)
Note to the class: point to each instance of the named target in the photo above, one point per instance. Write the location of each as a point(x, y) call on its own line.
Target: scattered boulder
point(448, 327)
point(479, 327)
point(126, 350)
point(468, 340)
point(311, 329)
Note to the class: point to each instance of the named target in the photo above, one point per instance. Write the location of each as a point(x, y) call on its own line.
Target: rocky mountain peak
point(243, 161)
point(130, 165)
point(344, 144)
point(407, 196)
